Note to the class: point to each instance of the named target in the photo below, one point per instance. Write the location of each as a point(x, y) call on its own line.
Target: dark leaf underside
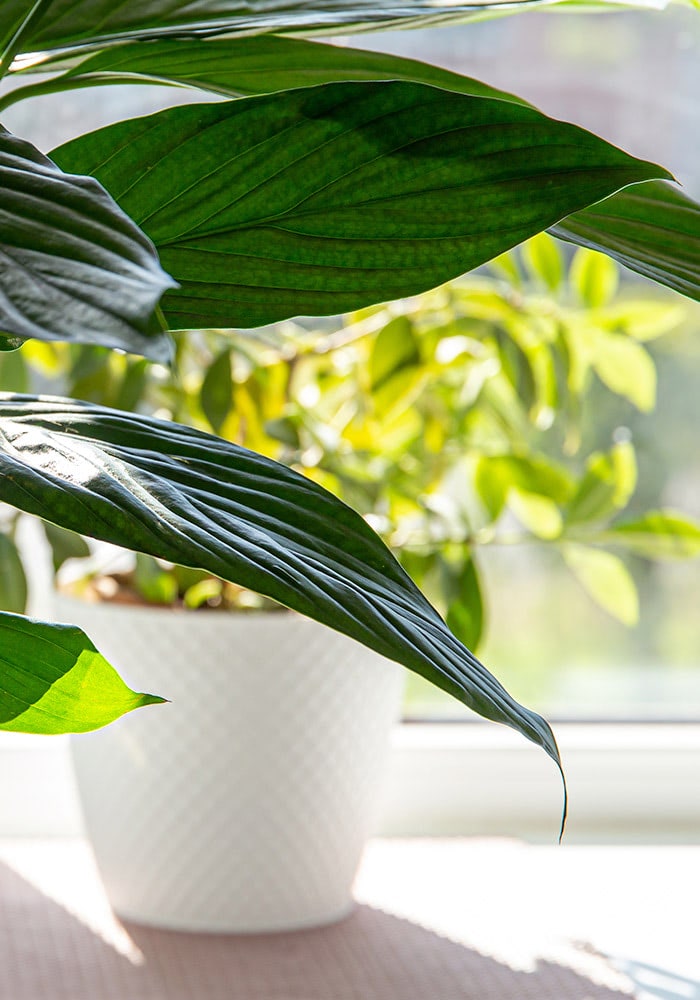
point(73, 266)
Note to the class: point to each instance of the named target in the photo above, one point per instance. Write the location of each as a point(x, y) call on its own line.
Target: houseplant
point(438, 170)
point(392, 410)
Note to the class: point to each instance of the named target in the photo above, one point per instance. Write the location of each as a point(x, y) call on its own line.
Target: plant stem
point(12, 45)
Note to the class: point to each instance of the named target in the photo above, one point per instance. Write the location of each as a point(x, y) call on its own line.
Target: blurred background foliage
point(492, 431)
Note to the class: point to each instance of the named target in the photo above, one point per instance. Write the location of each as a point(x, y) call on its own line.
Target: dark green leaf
point(216, 394)
point(330, 198)
point(658, 534)
point(97, 22)
point(64, 544)
point(72, 265)
point(193, 499)
point(652, 228)
point(53, 680)
point(13, 582)
point(243, 67)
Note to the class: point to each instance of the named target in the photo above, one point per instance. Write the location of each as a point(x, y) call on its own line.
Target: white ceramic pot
point(244, 804)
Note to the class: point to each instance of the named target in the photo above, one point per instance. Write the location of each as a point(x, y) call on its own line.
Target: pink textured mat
point(417, 935)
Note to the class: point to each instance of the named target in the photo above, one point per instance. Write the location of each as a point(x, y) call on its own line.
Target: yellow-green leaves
point(197, 500)
point(658, 534)
point(53, 680)
point(606, 579)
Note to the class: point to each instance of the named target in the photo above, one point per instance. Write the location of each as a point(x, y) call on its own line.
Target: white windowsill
point(629, 782)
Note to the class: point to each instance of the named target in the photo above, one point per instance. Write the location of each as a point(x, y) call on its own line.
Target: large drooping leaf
point(72, 265)
point(652, 228)
point(53, 680)
point(326, 199)
point(193, 499)
point(98, 22)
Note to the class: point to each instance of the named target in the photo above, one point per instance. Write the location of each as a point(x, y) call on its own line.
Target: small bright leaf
point(544, 260)
point(606, 579)
point(609, 480)
point(625, 367)
point(594, 277)
point(658, 534)
point(53, 680)
point(538, 513)
point(13, 582)
point(645, 320)
point(394, 348)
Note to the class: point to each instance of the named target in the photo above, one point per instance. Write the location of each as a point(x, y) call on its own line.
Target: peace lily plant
point(325, 180)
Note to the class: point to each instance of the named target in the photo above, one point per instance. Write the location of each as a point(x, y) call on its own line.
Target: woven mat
point(418, 933)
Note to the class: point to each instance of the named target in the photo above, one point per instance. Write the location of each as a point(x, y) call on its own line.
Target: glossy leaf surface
point(261, 64)
point(72, 265)
point(100, 21)
point(326, 199)
point(652, 228)
point(53, 680)
point(193, 499)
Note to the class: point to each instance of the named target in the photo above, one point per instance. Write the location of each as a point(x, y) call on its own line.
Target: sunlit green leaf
point(496, 475)
point(646, 319)
point(625, 367)
point(544, 260)
point(54, 681)
point(606, 579)
point(607, 485)
point(658, 534)
point(538, 513)
point(594, 277)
